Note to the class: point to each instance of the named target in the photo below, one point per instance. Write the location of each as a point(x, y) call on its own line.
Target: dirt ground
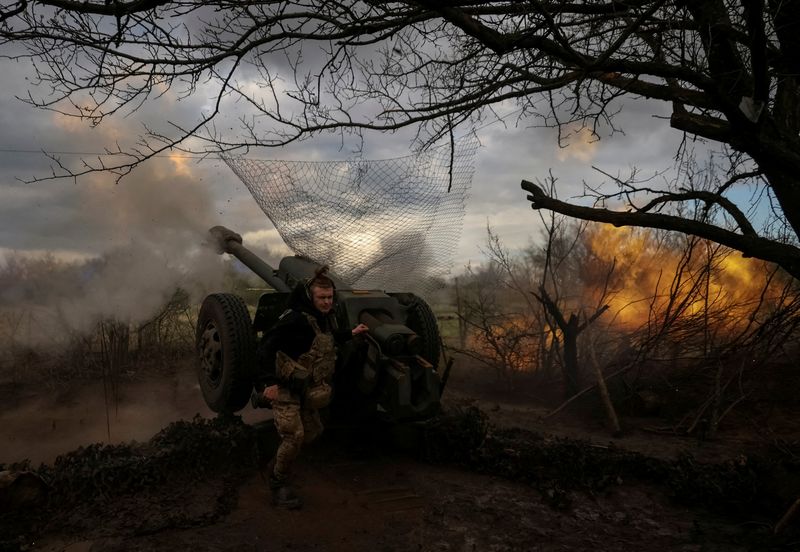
point(359, 494)
point(390, 503)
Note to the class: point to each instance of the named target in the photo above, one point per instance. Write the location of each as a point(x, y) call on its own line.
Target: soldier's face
point(322, 299)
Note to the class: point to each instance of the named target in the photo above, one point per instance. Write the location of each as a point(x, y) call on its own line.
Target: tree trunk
point(571, 379)
point(611, 412)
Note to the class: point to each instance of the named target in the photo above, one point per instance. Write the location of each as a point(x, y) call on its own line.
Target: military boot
point(283, 496)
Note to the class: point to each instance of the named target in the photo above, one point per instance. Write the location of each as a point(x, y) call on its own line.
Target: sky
point(168, 203)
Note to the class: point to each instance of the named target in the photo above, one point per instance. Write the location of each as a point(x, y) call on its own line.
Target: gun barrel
point(228, 241)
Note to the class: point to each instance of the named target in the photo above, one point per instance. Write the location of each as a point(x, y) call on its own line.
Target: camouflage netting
point(389, 224)
point(188, 474)
point(185, 476)
point(755, 484)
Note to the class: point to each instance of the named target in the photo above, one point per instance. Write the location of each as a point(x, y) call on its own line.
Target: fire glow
point(653, 274)
point(626, 287)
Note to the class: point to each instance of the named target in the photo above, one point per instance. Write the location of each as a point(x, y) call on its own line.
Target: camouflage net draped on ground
point(390, 224)
point(185, 476)
point(188, 475)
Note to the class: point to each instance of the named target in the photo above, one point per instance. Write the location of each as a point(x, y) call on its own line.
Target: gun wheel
point(225, 352)
point(422, 322)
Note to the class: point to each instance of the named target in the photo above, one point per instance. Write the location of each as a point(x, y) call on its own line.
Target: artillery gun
point(392, 373)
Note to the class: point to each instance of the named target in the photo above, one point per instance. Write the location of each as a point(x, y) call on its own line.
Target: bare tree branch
point(785, 255)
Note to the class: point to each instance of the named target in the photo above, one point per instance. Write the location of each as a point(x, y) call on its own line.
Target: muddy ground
point(492, 475)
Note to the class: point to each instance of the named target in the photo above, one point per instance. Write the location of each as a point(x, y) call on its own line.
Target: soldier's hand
point(271, 393)
point(361, 328)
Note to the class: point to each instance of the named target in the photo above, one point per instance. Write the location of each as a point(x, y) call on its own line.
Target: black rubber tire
point(422, 322)
point(225, 347)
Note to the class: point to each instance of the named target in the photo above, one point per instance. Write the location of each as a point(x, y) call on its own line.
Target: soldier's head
point(320, 289)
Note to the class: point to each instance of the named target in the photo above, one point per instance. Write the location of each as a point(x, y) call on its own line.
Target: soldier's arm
point(265, 362)
point(286, 336)
point(342, 335)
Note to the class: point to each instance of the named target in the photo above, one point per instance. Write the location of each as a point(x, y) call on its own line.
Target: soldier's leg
point(290, 429)
point(312, 424)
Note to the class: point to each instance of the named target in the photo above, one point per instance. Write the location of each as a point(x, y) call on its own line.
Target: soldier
point(296, 359)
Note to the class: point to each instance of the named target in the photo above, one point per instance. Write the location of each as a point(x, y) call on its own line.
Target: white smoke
point(153, 225)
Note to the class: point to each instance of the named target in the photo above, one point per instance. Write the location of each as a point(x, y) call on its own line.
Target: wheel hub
point(211, 354)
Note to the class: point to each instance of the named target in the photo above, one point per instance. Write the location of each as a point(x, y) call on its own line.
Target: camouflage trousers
point(296, 426)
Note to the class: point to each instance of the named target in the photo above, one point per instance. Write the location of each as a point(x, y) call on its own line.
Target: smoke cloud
point(153, 226)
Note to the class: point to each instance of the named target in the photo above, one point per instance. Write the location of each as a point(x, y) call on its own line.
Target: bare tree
point(564, 243)
point(169, 332)
point(515, 306)
point(570, 329)
point(728, 70)
point(504, 334)
point(691, 331)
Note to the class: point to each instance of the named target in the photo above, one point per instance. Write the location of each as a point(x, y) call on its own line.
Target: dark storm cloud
point(70, 217)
